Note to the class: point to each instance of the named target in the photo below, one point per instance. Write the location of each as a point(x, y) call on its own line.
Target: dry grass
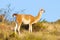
point(41, 31)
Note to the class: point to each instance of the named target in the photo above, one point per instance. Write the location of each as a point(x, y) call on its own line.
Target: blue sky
point(51, 7)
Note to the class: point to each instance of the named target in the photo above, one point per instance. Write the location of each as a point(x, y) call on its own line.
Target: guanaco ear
point(42, 10)
point(14, 15)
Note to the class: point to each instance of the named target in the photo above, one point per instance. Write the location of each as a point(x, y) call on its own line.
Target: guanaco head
point(42, 10)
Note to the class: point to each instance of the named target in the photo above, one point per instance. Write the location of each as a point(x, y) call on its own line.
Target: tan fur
point(28, 19)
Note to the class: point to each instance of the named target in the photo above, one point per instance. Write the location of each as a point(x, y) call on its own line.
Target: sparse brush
point(41, 31)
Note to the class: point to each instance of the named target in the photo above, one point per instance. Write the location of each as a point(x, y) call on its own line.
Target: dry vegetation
point(41, 31)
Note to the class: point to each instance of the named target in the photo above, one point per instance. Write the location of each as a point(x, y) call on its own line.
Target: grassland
point(41, 31)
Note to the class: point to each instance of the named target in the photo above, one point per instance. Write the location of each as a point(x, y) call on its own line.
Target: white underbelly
point(25, 21)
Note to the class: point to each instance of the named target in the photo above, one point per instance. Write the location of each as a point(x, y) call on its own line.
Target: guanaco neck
point(38, 16)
